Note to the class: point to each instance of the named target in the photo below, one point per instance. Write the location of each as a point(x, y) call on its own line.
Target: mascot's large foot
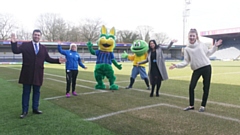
point(103, 87)
point(114, 87)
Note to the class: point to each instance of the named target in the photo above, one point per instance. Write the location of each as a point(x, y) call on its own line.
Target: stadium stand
point(230, 53)
point(7, 56)
point(230, 48)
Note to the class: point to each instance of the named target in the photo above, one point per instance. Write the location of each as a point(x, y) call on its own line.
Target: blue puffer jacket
point(72, 57)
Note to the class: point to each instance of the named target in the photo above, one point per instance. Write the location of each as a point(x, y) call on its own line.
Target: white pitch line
point(174, 77)
point(123, 81)
point(65, 82)
point(122, 111)
point(53, 98)
point(12, 80)
point(228, 73)
point(65, 77)
point(77, 85)
point(156, 105)
point(221, 117)
point(87, 93)
point(207, 113)
point(127, 81)
point(139, 108)
point(98, 91)
point(212, 102)
point(182, 97)
point(85, 80)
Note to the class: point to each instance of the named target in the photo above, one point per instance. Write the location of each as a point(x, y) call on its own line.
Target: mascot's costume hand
point(124, 55)
point(105, 57)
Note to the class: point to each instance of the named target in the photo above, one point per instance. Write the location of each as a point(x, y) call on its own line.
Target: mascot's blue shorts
point(139, 70)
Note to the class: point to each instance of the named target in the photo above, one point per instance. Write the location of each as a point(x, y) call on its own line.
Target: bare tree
point(160, 38)
point(73, 34)
point(144, 32)
point(7, 26)
point(52, 26)
point(119, 37)
point(23, 34)
point(90, 29)
point(126, 36)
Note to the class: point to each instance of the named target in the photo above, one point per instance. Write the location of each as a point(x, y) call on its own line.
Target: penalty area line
point(157, 105)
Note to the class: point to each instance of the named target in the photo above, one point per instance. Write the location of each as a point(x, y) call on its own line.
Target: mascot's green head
point(106, 42)
point(139, 47)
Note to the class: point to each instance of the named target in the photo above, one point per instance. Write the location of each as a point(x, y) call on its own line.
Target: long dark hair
point(156, 46)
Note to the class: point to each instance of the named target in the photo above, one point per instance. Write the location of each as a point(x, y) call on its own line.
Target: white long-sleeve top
point(197, 55)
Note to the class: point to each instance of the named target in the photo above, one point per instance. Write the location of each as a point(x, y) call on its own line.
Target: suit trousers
point(26, 97)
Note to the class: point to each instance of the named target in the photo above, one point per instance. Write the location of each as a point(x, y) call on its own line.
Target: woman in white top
point(197, 54)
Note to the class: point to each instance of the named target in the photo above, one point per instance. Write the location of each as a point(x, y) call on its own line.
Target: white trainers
point(201, 109)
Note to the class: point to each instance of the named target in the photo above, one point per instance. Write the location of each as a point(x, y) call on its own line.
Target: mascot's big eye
point(139, 43)
point(136, 44)
point(110, 38)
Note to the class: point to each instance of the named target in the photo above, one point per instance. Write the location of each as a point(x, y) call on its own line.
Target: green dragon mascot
point(105, 58)
point(139, 48)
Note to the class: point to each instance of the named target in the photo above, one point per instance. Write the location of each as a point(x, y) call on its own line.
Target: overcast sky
point(163, 15)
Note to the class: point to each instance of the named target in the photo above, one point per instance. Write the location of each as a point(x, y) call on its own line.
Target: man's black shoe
point(37, 112)
point(24, 114)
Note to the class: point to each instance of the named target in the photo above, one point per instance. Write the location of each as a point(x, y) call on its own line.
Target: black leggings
point(156, 80)
point(205, 72)
point(71, 76)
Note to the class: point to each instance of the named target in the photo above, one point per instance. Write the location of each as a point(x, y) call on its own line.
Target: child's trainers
point(74, 93)
point(68, 95)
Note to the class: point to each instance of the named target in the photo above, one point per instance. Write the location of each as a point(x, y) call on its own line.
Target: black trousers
point(206, 73)
point(71, 76)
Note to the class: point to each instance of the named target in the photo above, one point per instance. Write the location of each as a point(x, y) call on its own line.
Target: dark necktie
point(36, 48)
